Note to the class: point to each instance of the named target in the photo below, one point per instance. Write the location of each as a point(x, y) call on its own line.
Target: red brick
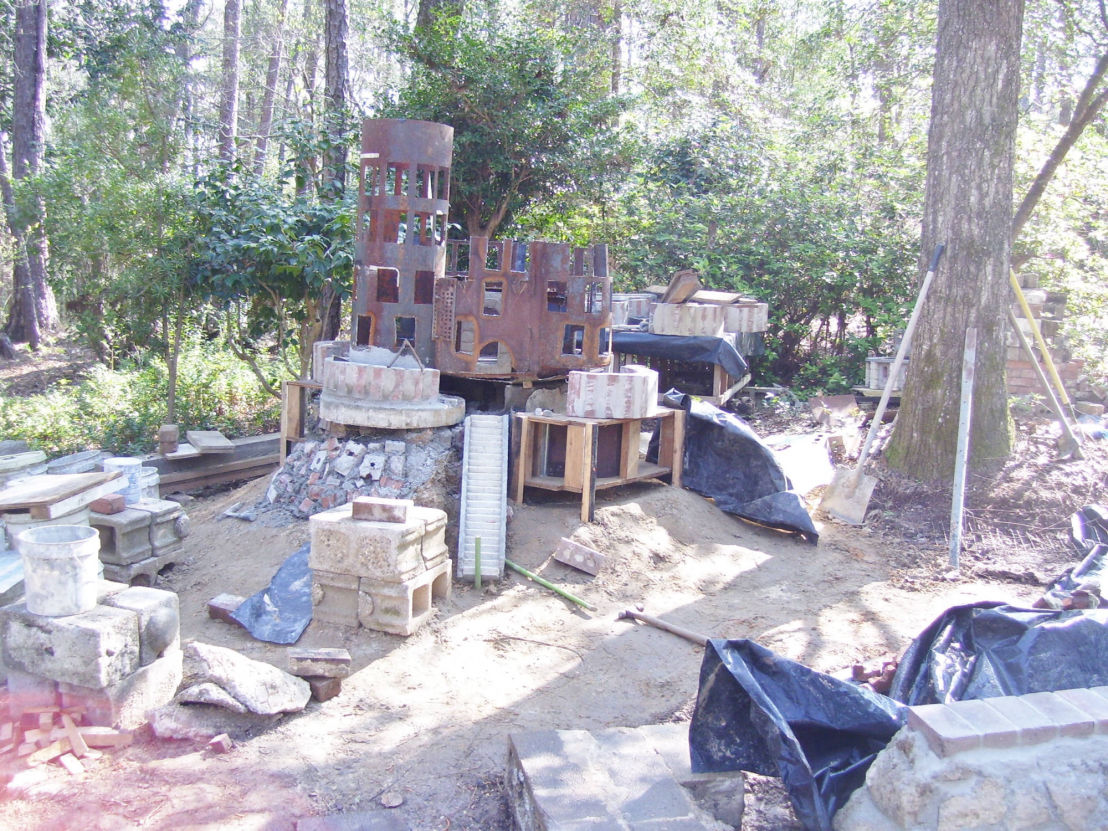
point(113, 503)
point(378, 509)
point(324, 689)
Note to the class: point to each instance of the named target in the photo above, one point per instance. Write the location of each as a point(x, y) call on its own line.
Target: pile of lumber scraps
point(54, 734)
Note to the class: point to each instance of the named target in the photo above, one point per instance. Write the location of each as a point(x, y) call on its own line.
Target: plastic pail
point(60, 568)
point(149, 479)
point(130, 469)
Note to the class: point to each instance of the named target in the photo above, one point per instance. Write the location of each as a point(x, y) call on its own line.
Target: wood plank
point(184, 451)
point(80, 500)
point(71, 764)
point(209, 441)
point(523, 460)
point(47, 488)
point(105, 737)
point(75, 740)
point(51, 751)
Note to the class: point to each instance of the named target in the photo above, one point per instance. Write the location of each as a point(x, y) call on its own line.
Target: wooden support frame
point(581, 447)
point(294, 412)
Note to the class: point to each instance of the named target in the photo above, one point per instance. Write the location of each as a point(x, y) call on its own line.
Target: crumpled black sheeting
point(282, 611)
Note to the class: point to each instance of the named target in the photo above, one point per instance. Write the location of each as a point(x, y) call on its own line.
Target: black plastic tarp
point(982, 650)
point(726, 461)
point(704, 348)
point(759, 712)
point(282, 611)
point(1089, 534)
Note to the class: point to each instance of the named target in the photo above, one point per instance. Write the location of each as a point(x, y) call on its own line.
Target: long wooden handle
point(658, 623)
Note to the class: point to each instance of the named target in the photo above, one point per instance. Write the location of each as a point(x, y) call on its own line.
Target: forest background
point(181, 192)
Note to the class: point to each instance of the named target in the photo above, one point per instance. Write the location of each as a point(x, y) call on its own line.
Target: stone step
point(619, 778)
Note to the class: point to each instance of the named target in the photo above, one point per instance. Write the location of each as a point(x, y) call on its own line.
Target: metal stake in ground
point(969, 358)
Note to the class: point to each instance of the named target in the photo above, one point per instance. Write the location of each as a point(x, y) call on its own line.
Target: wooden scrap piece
point(80, 748)
point(683, 285)
point(71, 764)
point(50, 752)
point(579, 556)
point(209, 441)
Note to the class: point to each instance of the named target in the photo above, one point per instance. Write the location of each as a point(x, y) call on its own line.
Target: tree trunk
point(334, 158)
point(33, 311)
point(967, 207)
point(229, 95)
point(272, 76)
point(428, 9)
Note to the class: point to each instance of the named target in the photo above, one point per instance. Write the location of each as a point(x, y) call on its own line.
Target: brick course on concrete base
point(1037, 761)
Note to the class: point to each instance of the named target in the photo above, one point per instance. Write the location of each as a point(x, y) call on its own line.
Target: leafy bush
point(121, 410)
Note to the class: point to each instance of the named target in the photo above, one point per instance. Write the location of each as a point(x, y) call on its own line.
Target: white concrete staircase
point(484, 496)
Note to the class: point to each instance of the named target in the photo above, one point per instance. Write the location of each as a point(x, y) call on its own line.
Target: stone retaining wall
point(1037, 761)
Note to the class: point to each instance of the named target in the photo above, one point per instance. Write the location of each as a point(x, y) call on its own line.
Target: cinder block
point(379, 509)
point(124, 704)
point(401, 608)
point(381, 550)
point(124, 537)
point(144, 571)
point(335, 599)
point(162, 525)
point(92, 649)
point(159, 619)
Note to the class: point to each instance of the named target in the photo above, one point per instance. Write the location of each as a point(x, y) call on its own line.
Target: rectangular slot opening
point(494, 256)
point(405, 330)
point(594, 298)
point(609, 450)
point(556, 296)
point(464, 333)
point(551, 457)
point(573, 339)
point(493, 302)
point(424, 288)
point(364, 334)
point(388, 285)
point(521, 257)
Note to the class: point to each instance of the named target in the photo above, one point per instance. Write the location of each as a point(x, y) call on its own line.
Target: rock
point(209, 693)
point(201, 722)
point(260, 687)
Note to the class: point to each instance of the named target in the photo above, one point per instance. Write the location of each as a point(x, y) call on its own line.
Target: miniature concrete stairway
point(484, 496)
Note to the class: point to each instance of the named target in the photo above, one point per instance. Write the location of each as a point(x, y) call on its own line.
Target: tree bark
point(334, 157)
point(229, 94)
point(967, 207)
point(272, 76)
point(33, 312)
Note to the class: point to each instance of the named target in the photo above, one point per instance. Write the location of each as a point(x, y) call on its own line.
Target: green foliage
point(533, 119)
point(121, 410)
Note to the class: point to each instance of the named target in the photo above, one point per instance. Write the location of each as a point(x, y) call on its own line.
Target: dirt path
point(426, 718)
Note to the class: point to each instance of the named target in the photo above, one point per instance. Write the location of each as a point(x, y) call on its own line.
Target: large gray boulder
point(259, 687)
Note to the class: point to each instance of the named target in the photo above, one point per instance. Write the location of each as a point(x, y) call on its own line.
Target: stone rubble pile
point(322, 474)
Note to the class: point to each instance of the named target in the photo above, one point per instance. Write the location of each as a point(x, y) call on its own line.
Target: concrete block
point(946, 732)
point(326, 662)
point(124, 537)
point(124, 704)
point(401, 608)
point(92, 649)
point(381, 550)
point(159, 619)
point(630, 393)
point(335, 602)
point(579, 556)
point(164, 530)
point(144, 571)
point(688, 319)
point(379, 509)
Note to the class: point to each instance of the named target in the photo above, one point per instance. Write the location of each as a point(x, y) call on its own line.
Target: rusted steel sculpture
point(502, 309)
point(403, 201)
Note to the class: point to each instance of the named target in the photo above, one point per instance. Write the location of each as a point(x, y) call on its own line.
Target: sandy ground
point(425, 719)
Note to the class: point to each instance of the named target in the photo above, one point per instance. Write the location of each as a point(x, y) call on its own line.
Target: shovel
point(847, 497)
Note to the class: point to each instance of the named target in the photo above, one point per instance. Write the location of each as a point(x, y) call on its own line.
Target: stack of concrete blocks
point(1047, 311)
point(116, 661)
point(630, 393)
point(688, 319)
point(378, 563)
point(628, 305)
point(746, 316)
point(324, 349)
point(877, 373)
point(139, 541)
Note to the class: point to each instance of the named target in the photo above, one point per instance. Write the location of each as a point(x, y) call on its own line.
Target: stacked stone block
point(630, 393)
point(688, 319)
point(115, 661)
point(142, 539)
point(378, 574)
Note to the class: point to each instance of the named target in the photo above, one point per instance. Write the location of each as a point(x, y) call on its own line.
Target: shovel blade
point(847, 497)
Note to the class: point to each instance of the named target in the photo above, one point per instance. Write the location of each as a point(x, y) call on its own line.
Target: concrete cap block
point(329, 662)
point(946, 732)
point(92, 649)
point(1071, 721)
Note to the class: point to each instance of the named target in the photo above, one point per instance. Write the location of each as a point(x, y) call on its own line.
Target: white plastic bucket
point(149, 480)
point(130, 469)
point(60, 568)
